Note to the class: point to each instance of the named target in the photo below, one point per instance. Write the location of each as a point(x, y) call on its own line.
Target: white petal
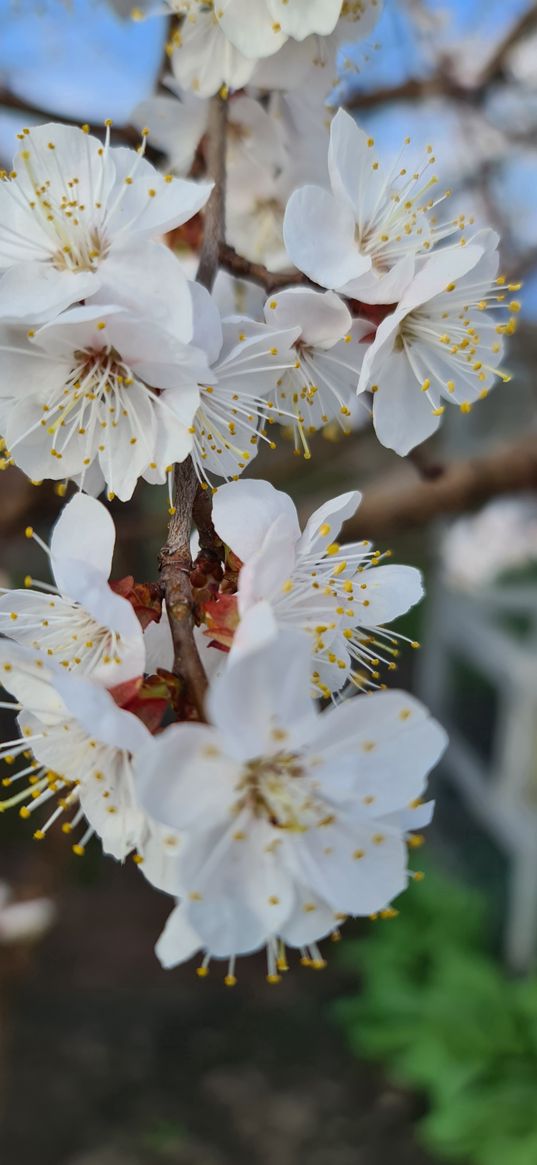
point(391, 591)
point(402, 415)
point(250, 27)
point(159, 649)
point(146, 278)
point(266, 573)
point(331, 514)
point(264, 690)
point(178, 941)
point(85, 531)
point(444, 267)
point(98, 714)
point(349, 166)
point(244, 511)
point(322, 317)
point(310, 920)
point(391, 742)
point(35, 291)
point(185, 779)
point(358, 885)
point(155, 204)
point(176, 127)
point(240, 894)
point(301, 18)
point(257, 627)
point(319, 237)
point(23, 675)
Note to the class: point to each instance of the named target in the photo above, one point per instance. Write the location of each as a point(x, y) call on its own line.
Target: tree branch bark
point(271, 281)
point(463, 486)
point(176, 559)
point(175, 570)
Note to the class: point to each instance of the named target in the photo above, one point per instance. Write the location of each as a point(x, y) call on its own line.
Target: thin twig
point(175, 568)
point(214, 229)
point(9, 100)
point(176, 559)
point(243, 268)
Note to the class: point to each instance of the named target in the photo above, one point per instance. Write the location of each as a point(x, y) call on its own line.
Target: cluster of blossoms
point(267, 819)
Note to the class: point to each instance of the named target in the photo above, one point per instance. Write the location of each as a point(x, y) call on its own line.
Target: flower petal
point(319, 237)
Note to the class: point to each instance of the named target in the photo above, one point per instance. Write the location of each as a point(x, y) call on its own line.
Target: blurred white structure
point(23, 921)
point(473, 625)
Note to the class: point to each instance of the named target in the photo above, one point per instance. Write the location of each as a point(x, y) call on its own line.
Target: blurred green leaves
point(444, 1018)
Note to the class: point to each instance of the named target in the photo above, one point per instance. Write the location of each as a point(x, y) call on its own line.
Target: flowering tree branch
point(175, 558)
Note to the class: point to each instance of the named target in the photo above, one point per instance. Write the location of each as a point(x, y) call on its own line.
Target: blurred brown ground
point(108, 1060)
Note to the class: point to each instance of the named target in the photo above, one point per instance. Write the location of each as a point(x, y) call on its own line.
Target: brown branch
point(175, 569)
point(520, 28)
point(462, 486)
point(9, 100)
point(443, 83)
point(176, 559)
point(214, 227)
point(243, 268)
point(415, 89)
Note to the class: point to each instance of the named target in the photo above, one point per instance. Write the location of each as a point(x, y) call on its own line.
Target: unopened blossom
point(79, 219)
point(363, 238)
point(87, 397)
point(76, 745)
point(340, 597)
point(329, 354)
point(81, 623)
point(443, 343)
point(290, 819)
point(245, 360)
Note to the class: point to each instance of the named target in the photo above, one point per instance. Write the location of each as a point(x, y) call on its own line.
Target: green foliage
point(443, 1017)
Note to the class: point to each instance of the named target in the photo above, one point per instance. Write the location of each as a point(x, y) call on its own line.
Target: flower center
point(82, 252)
point(278, 788)
point(92, 402)
point(76, 244)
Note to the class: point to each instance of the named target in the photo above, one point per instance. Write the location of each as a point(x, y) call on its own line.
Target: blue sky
point(79, 57)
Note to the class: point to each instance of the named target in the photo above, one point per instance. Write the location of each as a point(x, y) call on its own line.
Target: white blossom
point(221, 45)
point(329, 354)
point(245, 360)
point(178, 123)
point(441, 344)
point(311, 64)
point(203, 58)
point(363, 238)
point(88, 396)
point(77, 746)
point(79, 220)
point(290, 820)
point(81, 623)
point(341, 597)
